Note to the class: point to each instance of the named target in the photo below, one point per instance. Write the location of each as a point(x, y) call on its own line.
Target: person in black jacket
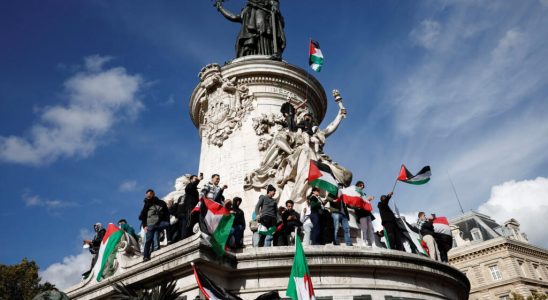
point(154, 219)
point(291, 220)
point(426, 228)
point(388, 220)
point(95, 244)
point(192, 197)
point(238, 226)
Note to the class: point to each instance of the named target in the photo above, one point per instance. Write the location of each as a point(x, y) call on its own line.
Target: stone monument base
point(338, 272)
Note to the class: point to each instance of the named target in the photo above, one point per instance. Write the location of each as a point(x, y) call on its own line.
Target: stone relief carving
point(288, 154)
point(223, 106)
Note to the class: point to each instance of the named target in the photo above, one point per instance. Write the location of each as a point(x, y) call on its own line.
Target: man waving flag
point(299, 286)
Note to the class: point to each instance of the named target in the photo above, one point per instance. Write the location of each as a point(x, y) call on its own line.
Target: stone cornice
point(266, 72)
point(489, 247)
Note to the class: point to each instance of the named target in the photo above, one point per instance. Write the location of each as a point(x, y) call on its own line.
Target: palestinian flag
point(320, 176)
point(354, 197)
point(216, 221)
point(421, 178)
point(413, 238)
point(299, 286)
point(315, 59)
point(209, 288)
point(107, 251)
point(441, 225)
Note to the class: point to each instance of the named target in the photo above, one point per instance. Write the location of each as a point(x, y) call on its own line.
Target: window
point(476, 234)
point(495, 273)
point(522, 268)
point(537, 271)
point(505, 297)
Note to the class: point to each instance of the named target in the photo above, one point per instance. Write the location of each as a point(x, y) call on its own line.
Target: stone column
point(230, 99)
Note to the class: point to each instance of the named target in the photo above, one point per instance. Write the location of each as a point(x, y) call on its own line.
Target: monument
point(247, 140)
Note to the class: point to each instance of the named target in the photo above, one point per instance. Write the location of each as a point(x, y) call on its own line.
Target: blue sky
point(94, 99)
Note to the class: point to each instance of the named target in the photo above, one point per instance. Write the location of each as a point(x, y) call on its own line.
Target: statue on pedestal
point(262, 31)
point(288, 156)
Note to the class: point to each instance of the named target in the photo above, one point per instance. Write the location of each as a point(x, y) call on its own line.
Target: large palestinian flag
point(107, 251)
point(354, 197)
point(315, 59)
point(216, 221)
point(421, 178)
point(320, 176)
point(299, 286)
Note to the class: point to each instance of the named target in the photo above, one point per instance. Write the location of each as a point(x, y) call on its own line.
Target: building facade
point(497, 259)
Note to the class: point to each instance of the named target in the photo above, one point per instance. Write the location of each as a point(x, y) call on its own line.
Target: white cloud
point(97, 99)
point(37, 201)
point(526, 201)
point(127, 186)
point(68, 272)
point(426, 34)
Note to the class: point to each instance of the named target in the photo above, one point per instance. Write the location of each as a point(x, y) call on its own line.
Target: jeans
point(307, 228)
point(152, 235)
point(368, 233)
point(315, 234)
point(339, 218)
point(237, 232)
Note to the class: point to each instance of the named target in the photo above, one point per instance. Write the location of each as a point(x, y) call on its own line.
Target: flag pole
point(455, 191)
point(394, 187)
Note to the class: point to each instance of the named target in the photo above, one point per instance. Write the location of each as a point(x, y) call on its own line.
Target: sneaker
point(146, 259)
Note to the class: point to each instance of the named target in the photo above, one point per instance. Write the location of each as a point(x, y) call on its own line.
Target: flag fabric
point(315, 59)
point(107, 251)
point(441, 225)
point(216, 221)
point(421, 178)
point(321, 176)
point(210, 289)
point(354, 197)
point(299, 286)
point(412, 237)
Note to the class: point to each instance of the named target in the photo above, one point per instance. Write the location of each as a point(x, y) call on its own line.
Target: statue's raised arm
point(332, 127)
point(227, 14)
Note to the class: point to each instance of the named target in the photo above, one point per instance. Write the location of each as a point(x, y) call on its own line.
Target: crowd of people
point(318, 222)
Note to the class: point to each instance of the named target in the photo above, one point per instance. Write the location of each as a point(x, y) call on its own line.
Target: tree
point(21, 281)
point(165, 291)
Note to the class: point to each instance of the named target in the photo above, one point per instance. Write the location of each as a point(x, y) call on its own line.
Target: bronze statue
point(262, 31)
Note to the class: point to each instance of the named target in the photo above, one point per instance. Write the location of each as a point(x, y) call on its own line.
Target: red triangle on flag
point(313, 172)
point(403, 174)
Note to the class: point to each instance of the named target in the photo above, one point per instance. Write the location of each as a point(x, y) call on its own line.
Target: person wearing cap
point(266, 208)
point(339, 213)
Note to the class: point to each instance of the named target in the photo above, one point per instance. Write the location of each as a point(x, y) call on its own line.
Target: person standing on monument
point(192, 197)
point(266, 212)
point(426, 228)
point(154, 219)
point(291, 220)
point(315, 216)
point(238, 226)
point(365, 219)
point(262, 31)
point(339, 213)
point(388, 220)
point(95, 244)
point(306, 124)
point(213, 191)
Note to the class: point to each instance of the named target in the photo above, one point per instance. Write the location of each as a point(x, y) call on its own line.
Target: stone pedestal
point(338, 272)
point(227, 103)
